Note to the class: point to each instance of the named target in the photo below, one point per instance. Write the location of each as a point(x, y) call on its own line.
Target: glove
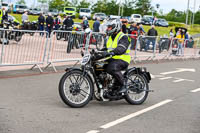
point(107, 54)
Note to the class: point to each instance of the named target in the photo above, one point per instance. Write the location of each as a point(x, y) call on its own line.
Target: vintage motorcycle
point(76, 87)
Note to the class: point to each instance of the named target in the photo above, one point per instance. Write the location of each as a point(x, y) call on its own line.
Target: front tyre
point(137, 89)
point(75, 89)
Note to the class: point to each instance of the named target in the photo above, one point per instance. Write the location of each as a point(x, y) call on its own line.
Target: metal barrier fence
point(30, 47)
point(20, 47)
point(66, 46)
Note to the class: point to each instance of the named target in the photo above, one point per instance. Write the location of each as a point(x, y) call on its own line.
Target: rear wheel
point(137, 89)
point(75, 89)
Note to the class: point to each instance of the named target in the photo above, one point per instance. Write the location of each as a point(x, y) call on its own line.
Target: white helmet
point(115, 24)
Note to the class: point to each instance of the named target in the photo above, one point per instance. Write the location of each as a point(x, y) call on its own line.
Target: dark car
point(34, 11)
point(161, 22)
point(102, 16)
point(147, 20)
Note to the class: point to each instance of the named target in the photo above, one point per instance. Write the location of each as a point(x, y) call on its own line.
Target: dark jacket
point(41, 20)
point(68, 22)
point(5, 15)
point(49, 21)
point(124, 30)
point(96, 26)
point(152, 32)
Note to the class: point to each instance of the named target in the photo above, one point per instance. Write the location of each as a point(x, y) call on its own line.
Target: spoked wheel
point(75, 89)
point(137, 89)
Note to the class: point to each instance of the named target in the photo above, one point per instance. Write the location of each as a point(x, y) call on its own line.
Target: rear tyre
point(137, 89)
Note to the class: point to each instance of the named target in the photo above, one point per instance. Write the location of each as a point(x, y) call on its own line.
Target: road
point(31, 104)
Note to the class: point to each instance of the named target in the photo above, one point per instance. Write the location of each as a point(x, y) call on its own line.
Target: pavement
point(30, 103)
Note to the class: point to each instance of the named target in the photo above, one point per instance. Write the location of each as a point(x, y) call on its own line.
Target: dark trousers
point(49, 30)
point(114, 68)
point(41, 28)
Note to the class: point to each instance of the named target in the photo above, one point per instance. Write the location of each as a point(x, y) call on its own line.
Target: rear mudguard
point(139, 70)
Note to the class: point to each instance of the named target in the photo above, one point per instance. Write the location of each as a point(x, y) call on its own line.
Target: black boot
point(122, 89)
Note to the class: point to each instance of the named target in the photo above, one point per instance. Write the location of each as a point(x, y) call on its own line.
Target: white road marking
point(165, 78)
point(178, 80)
point(93, 131)
point(179, 70)
point(152, 76)
point(196, 90)
point(113, 123)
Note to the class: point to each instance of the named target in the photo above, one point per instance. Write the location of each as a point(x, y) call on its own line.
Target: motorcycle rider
point(118, 49)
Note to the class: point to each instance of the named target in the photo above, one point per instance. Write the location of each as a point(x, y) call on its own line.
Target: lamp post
point(186, 22)
point(193, 13)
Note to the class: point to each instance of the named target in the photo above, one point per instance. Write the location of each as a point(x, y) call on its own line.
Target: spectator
point(171, 33)
point(124, 29)
point(85, 23)
point(41, 21)
point(180, 41)
point(49, 24)
point(96, 25)
point(134, 33)
point(102, 30)
point(5, 15)
point(154, 20)
point(142, 32)
point(187, 36)
point(25, 17)
point(68, 22)
point(57, 22)
point(152, 33)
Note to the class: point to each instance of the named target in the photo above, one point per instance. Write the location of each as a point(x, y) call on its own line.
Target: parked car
point(147, 20)
point(161, 22)
point(20, 8)
point(85, 12)
point(102, 16)
point(136, 18)
point(114, 17)
point(53, 12)
point(5, 6)
point(70, 11)
point(34, 11)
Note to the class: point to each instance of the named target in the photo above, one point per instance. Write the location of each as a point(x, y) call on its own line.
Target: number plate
point(85, 59)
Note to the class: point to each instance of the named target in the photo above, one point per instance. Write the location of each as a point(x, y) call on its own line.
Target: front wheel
point(137, 89)
point(75, 89)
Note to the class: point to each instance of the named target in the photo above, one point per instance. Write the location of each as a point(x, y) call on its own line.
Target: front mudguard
point(140, 70)
point(69, 69)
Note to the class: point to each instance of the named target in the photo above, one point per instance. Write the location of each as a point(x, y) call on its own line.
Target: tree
point(42, 1)
point(74, 3)
point(197, 18)
point(143, 7)
point(128, 7)
point(100, 6)
point(21, 2)
point(83, 4)
point(56, 4)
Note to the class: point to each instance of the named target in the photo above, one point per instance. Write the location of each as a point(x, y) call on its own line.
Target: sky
point(165, 5)
point(180, 5)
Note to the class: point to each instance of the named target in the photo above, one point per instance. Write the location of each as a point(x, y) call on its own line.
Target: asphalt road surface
point(31, 104)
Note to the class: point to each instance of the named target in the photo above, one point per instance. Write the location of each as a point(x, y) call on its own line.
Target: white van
point(5, 6)
point(85, 12)
point(136, 18)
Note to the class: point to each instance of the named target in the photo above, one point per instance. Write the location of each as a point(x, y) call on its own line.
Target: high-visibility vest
point(1, 15)
point(111, 45)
